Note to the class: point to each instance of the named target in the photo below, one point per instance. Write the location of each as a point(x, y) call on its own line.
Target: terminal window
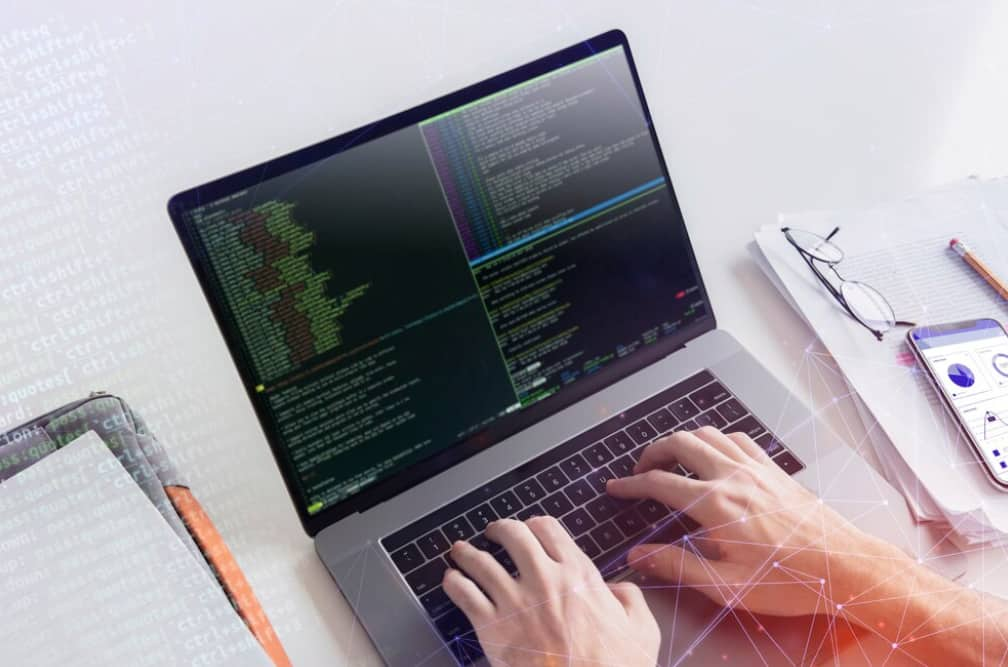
point(400, 296)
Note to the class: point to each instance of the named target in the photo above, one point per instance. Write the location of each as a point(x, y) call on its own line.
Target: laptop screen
point(428, 286)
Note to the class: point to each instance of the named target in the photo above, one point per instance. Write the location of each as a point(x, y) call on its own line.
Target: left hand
point(558, 611)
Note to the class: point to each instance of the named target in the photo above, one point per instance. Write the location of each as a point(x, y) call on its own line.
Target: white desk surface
point(761, 107)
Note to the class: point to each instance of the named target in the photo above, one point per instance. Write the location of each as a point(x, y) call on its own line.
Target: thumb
point(677, 565)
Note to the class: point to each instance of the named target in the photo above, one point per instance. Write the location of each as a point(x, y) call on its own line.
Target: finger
point(629, 595)
point(678, 492)
point(677, 565)
point(484, 569)
point(555, 539)
point(523, 547)
point(467, 596)
point(685, 448)
point(749, 446)
point(722, 443)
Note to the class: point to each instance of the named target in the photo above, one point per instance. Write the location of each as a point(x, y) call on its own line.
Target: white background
point(761, 107)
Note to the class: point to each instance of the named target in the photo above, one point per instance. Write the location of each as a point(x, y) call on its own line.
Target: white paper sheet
point(90, 574)
point(893, 467)
point(902, 250)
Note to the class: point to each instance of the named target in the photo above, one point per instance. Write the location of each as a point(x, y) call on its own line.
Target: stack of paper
point(902, 250)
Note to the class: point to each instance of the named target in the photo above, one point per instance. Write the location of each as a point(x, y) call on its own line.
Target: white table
point(761, 108)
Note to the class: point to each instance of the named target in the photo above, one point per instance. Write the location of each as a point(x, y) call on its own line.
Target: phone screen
point(969, 362)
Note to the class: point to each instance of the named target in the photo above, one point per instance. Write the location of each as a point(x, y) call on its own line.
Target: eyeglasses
point(861, 301)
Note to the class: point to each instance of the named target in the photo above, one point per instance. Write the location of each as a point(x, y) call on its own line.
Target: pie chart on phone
point(961, 375)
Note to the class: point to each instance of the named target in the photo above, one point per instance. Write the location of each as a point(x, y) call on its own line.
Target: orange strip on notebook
point(229, 575)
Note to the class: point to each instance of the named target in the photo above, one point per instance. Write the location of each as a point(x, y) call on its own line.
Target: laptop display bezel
point(500, 429)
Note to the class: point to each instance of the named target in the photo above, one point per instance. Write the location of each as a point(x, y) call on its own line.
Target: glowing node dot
point(820, 501)
point(839, 606)
point(822, 582)
point(920, 560)
point(776, 564)
point(894, 644)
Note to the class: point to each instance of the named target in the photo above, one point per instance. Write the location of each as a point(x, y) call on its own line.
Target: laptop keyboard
point(568, 482)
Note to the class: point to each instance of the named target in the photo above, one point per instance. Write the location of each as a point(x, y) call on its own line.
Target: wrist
point(866, 578)
point(862, 567)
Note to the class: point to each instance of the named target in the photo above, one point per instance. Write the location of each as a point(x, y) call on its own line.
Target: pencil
point(964, 251)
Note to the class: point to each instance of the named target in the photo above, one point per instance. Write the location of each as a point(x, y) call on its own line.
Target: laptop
point(486, 306)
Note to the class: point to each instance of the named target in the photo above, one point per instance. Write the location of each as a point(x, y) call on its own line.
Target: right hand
point(557, 611)
point(778, 549)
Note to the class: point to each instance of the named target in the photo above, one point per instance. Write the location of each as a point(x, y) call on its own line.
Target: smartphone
point(967, 362)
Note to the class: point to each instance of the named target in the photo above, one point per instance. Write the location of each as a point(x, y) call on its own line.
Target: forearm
point(922, 614)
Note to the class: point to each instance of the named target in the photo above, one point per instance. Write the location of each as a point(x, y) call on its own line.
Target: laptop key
point(711, 418)
point(630, 522)
point(433, 544)
point(505, 504)
point(529, 491)
point(770, 444)
point(552, 479)
point(454, 625)
point(557, 504)
point(427, 577)
point(747, 425)
point(732, 410)
point(638, 453)
point(598, 478)
point(529, 512)
point(466, 650)
point(579, 492)
point(652, 510)
point(481, 516)
point(607, 536)
point(575, 467)
point(588, 546)
point(577, 522)
point(690, 425)
point(407, 558)
point(458, 529)
point(788, 462)
point(504, 558)
point(662, 420)
point(436, 602)
point(619, 443)
point(709, 396)
point(602, 508)
point(623, 466)
point(598, 454)
point(481, 541)
point(641, 431)
point(683, 409)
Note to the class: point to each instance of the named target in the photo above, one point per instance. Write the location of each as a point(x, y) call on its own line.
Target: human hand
point(558, 611)
point(771, 540)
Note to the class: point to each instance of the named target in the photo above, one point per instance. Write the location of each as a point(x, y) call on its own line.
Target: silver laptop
point(486, 306)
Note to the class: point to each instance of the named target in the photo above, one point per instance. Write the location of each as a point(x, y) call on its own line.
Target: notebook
point(91, 574)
